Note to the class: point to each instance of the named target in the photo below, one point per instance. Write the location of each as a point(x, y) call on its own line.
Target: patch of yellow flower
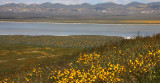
point(95, 72)
point(99, 68)
point(90, 68)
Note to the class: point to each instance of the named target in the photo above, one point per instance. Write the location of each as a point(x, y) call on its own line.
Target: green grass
point(16, 56)
point(124, 61)
point(81, 41)
point(16, 52)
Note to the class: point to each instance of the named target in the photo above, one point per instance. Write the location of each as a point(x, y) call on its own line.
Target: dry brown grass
point(142, 21)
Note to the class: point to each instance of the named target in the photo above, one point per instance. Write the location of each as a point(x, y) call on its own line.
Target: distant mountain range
point(109, 11)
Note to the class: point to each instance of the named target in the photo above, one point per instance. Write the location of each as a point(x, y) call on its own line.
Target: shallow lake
point(62, 29)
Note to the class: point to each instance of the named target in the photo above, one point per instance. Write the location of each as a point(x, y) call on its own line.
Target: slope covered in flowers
point(135, 60)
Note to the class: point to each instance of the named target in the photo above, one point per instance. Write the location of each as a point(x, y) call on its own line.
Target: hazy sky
point(74, 1)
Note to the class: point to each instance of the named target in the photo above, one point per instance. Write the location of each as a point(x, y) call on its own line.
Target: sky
point(67, 2)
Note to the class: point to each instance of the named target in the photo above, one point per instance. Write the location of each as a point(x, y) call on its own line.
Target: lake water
point(61, 29)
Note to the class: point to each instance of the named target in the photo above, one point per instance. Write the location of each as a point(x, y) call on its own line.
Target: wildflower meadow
point(124, 61)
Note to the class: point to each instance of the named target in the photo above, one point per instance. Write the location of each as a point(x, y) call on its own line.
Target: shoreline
point(124, 37)
point(82, 23)
point(57, 35)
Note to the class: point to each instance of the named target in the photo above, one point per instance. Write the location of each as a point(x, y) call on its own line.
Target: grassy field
point(124, 61)
point(23, 52)
point(17, 57)
point(81, 41)
point(86, 21)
